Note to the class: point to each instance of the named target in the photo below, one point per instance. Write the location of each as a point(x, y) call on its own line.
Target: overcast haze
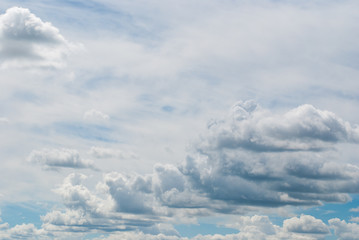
point(179, 119)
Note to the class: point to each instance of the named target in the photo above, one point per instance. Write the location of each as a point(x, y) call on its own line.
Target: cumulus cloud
point(23, 231)
point(305, 224)
point(304, 128)
point(255, 157)
point(251, 158)
point(54, 159)
point(125, 205)
point(132, 194)
point(26, 41)
point(344, 230)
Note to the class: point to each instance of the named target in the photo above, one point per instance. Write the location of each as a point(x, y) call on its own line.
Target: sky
point(185, 119)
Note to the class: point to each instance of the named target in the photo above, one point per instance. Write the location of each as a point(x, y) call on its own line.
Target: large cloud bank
point(250, 159)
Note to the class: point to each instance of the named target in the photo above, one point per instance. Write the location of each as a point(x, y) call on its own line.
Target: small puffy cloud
point(95, 115)
point(254, 224)
point(25, 41)
point(354, 209)
point(305, 224)
point(344, 230)
point(54, 159)
point(68, 218)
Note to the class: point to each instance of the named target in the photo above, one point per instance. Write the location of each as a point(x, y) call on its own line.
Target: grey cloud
point(85, 210)
point(131, 194)
point(304, 128)
point(173, 190)
point(255, 157)
point(54, 159)
point(250, 228)
point(219, 178)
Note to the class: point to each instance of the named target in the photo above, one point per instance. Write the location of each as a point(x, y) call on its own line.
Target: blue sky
point(179, 119)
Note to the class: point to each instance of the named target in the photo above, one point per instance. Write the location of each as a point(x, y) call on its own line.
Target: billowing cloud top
point(304, 128)
point(255, 157)
point(25, 41)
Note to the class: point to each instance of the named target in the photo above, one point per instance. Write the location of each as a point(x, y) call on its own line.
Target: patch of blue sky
point(168, 108)
point(103, 80)
point(334, 210)
point(85, 131)
point(89, 5)
point(24, 212)
point(110, 18)
point(191, 230)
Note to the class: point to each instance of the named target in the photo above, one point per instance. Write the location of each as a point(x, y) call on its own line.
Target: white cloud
point(305, 224)
point(59, 158)
point(95, 115)
point(251, 228)
point(343, 230)
point(354, 219)
point(27, 41)
point(101, 152)
point(304, 128)
point(23, 231)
